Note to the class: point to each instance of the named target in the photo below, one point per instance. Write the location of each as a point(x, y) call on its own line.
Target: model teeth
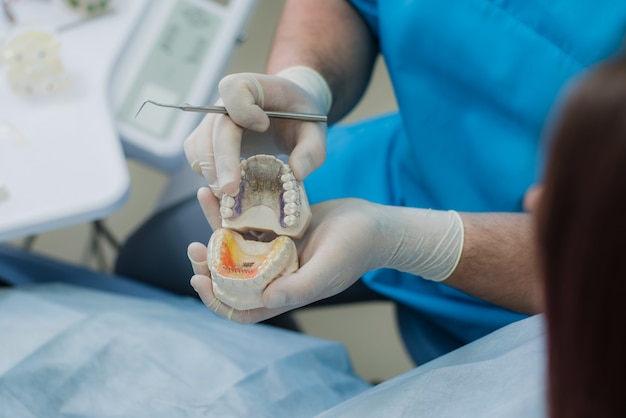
point(228, 201)
point(290, 209)
point(226, 212)
point(270, 198)
point(290, 196)
point(241, 269)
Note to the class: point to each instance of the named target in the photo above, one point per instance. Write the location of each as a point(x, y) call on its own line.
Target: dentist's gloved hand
point(214, 148)
point(345, 239)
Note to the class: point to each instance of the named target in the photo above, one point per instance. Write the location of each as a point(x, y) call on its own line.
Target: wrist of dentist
point(423, 242)
point(312, 83)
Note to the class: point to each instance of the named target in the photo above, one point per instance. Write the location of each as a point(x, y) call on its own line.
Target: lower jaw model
point(270, 200)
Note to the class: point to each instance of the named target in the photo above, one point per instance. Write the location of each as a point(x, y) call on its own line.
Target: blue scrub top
point(475, 82)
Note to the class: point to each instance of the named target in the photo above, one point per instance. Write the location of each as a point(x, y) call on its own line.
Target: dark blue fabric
point(19, 267)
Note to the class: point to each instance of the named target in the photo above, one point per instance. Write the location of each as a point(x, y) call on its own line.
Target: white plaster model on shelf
point(33, 65)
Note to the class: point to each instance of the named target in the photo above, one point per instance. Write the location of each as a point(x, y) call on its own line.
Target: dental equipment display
point(221, 109)
point(178, 52)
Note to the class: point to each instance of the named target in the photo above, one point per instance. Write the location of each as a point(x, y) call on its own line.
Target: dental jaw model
point(270, 199)
point(34, 67)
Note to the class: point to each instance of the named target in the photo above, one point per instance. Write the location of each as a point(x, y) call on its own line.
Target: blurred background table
point(61, 160)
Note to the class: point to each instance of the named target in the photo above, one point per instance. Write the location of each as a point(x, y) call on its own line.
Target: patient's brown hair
point(582, 239)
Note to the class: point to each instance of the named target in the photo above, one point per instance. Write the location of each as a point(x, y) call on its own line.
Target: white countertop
point(61, 162)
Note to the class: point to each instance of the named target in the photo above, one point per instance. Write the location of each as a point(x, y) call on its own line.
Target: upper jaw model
point(269, 199)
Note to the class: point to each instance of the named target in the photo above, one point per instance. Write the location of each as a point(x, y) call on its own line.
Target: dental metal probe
point(221, 109)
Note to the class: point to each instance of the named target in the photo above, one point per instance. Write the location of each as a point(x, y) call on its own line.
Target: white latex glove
point(214, 148)
point(345, 239)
